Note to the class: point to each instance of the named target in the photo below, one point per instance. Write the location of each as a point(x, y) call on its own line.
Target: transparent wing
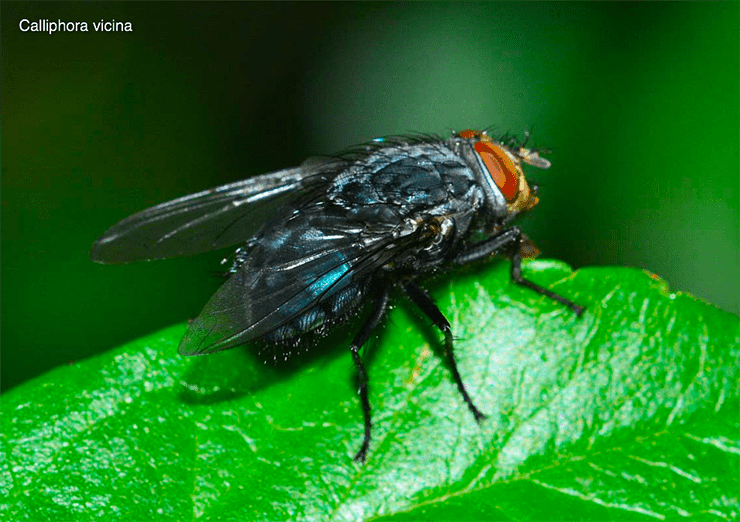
point(209, 220)
point(297, 269)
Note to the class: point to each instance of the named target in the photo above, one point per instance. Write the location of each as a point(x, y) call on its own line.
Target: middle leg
point(425, 303)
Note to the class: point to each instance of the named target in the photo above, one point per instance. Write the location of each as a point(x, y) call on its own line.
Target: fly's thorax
point(499, 171)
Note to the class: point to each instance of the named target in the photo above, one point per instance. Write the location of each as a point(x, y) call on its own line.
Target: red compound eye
point(469, 133)
point(501, 167)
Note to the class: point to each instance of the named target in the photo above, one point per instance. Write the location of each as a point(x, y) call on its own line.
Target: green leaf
point(627, 413)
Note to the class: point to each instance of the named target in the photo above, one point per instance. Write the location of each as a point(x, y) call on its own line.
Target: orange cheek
point(501, 167)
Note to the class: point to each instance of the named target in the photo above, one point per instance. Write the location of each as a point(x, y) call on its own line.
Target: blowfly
point(317, 241)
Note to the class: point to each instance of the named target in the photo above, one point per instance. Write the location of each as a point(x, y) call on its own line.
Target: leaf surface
point(627, 413)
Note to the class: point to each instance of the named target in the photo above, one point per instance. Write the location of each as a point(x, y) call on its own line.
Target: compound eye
point(501, 168)
point(469, 133)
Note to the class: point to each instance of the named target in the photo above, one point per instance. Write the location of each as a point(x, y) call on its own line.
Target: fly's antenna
point(532, 157)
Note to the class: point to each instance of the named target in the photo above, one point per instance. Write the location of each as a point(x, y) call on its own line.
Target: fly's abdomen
point(309, 272)
point(321, 316)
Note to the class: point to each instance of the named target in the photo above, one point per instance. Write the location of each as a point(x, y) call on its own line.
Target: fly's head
point(501, 162)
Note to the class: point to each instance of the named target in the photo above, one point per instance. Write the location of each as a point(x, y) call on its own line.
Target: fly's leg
point(516, 275)
point(425, 303)
point(495, 244)
point(510, 241)
point(360, 339)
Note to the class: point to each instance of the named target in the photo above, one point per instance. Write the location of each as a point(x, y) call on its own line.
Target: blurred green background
point(639, 103)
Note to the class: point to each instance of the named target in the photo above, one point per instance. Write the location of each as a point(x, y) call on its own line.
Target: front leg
point(509, 241)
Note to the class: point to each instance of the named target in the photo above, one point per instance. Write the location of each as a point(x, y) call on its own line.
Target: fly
point(319, 240)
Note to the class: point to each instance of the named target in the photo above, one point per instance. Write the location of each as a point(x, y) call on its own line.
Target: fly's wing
point(208, 220)
point(294, 268)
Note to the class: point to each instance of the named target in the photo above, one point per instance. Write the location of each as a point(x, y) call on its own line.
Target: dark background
point(639, 103)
